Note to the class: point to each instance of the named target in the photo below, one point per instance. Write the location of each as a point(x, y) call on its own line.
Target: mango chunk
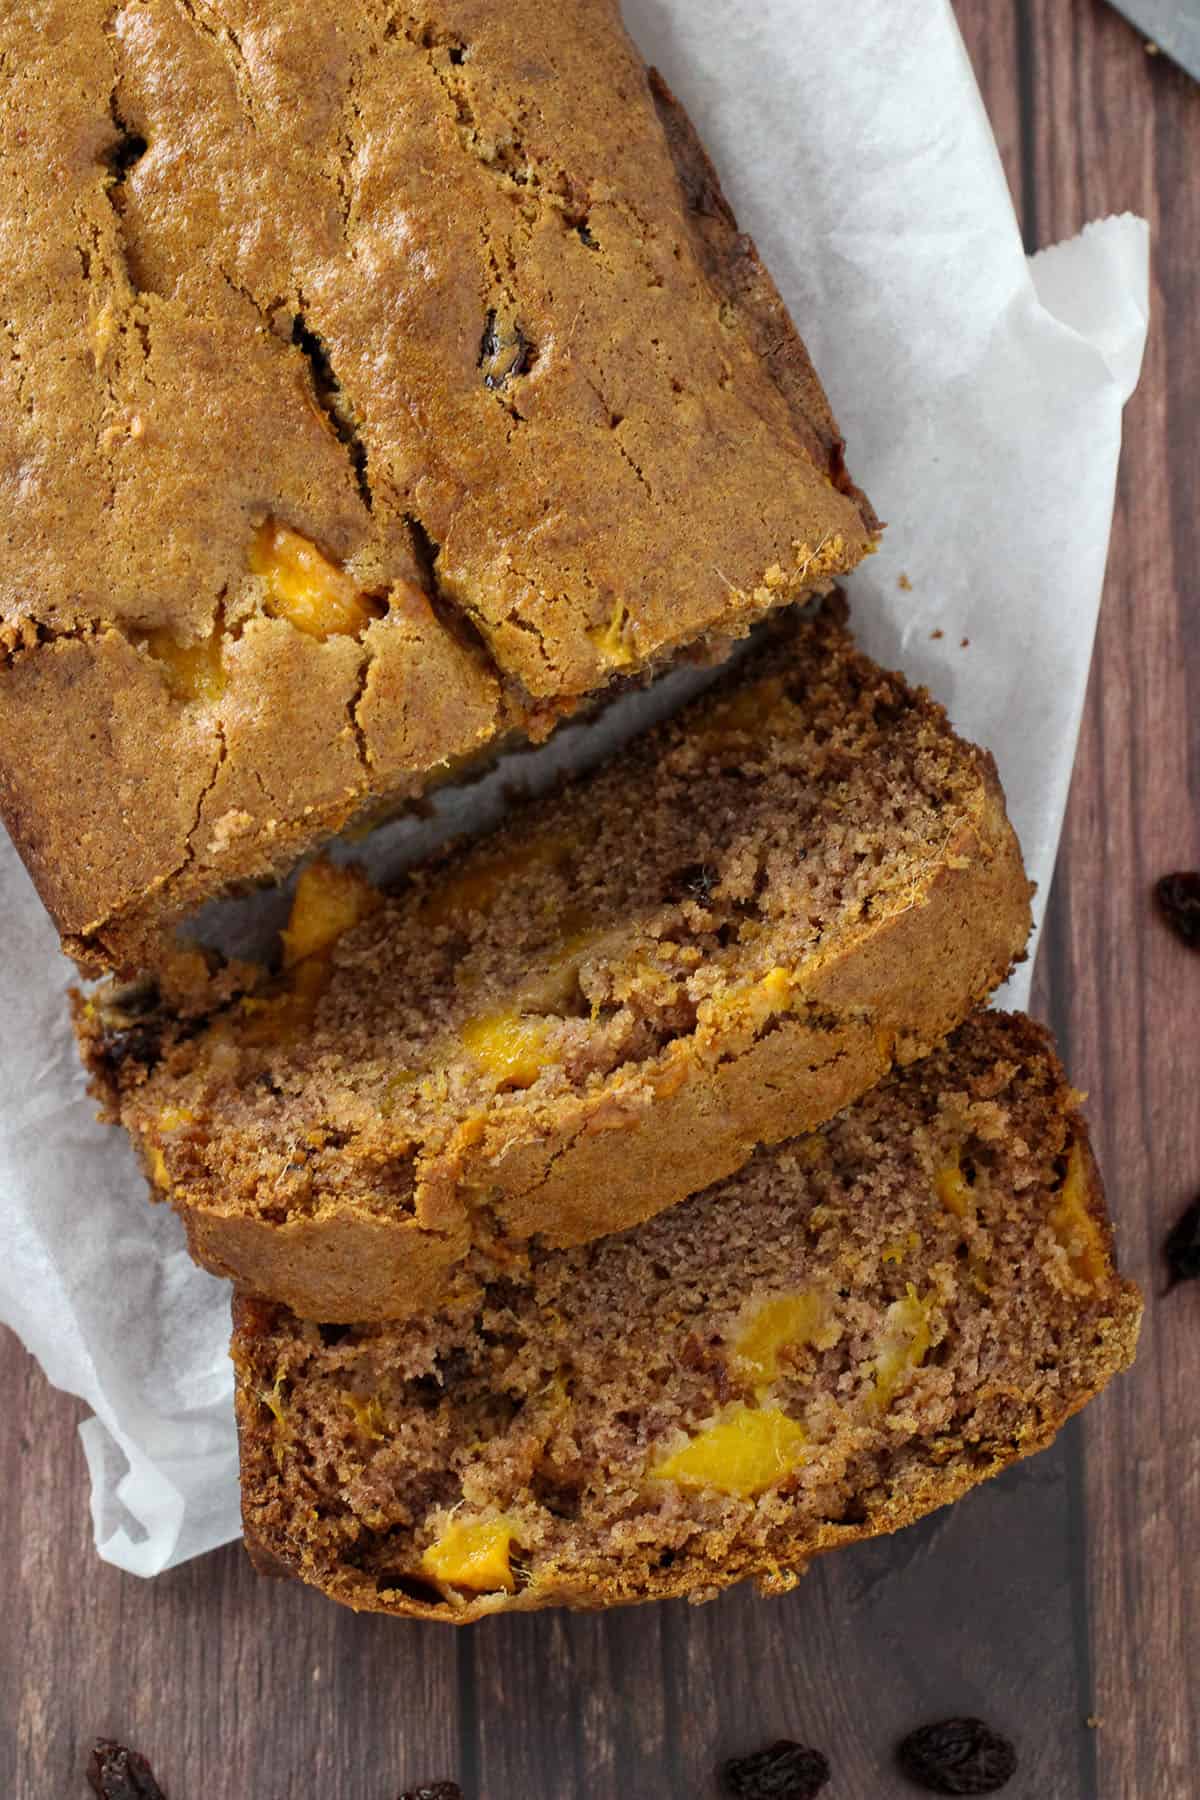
point(172, 1117)
point(756, 1001)
point(612, 640)
point(952, 1187)
point(1075, 1228)
point(747, 1451)
point(896, 1251)
point(509, 1045)
point(304, 587)
point(774, 992)
point(195, 672)
point(903, 1345)
point(801, 1318)
point(327, 901)
point(511, 1042)
point(272, 1398)
point(473, 1554)
point(368, 1415)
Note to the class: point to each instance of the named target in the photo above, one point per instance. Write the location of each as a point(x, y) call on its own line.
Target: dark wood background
point(1063, 1601)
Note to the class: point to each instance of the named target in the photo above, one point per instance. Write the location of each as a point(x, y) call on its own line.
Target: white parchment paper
point(981, 397)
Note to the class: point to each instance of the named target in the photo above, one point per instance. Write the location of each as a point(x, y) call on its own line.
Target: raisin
point(134, 1043)
point(503, 354)
point(1182, 1247)
point(115, 1773)
point(137, 999)
point(489, 343)
point(957, 1756)
point(1178, 899)
point(785, 1771)
point(695, 882)
point(440, 1790)
point(129, 147)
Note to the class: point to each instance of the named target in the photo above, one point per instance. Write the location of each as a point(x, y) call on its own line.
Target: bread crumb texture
point(817, 1350)
point(376, 382)
point(717, 940)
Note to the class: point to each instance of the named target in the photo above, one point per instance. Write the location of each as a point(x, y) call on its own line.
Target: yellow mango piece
point(172, 1117)
point(756, 1001)
point(903, 1345)
point(896, 1253)
point(158, 1169)
point(272, 1398)
point(774, 991)
point(509, 1045)
point(195, 672)
point(327, 901)
point(368, 1415)
point(612, 640)
point(744, 1453)
point(1075, 1228)
point(473, 1554)
point(952, 1187)
point(790, 1319)
point(304, 587)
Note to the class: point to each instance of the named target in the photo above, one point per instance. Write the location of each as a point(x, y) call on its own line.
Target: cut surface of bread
point(855, 1329)
point(718, 939)
point(383, 381)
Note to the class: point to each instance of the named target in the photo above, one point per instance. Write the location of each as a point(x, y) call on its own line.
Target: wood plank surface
point(1113, 127)
point(1066, 1589)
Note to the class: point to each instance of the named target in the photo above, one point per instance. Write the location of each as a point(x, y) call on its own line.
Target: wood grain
point(1065, 1589)
point(1123, 994)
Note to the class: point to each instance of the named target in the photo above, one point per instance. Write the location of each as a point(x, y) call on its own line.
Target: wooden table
point(1063, 1600)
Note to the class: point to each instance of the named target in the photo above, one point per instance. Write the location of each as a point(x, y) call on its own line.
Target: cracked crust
point(395, 277)
point(816, 880)
point(548, 1400)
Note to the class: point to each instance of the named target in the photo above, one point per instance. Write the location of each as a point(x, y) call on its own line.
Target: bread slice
point(855, 1329)
point(379, 386)
point(719, 939)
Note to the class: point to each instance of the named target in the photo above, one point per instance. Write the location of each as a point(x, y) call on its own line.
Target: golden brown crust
point(736, 270)
point(466, 317)
point(1096, 1345)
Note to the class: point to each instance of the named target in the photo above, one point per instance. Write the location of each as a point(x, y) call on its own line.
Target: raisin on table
point(1178, 899)
point(1182, 1248)
point(115, 1773)
point(957, 1756)
point(785, 1771)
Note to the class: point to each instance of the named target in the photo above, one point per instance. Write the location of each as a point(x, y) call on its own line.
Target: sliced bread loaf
point(721, 938)
point(852, 1331)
